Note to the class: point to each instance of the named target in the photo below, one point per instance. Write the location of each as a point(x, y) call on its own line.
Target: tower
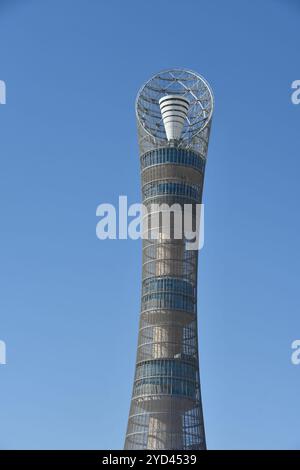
point(174, 110)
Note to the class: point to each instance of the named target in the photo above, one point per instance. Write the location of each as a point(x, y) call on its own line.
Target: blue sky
point(69, 302)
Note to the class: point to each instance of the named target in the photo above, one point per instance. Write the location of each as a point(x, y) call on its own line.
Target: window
point(166, 376)
point(172, 284)
point(174, 156)
point(172, 188)
point(168, 300)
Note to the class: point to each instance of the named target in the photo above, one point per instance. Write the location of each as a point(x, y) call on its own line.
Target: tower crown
point(174, 107)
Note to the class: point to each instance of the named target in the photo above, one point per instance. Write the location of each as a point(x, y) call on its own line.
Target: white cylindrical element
point(174, 110)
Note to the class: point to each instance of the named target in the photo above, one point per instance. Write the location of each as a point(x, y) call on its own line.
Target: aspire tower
point(174, 110)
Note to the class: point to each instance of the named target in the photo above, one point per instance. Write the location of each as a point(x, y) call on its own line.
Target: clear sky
point(69, 303)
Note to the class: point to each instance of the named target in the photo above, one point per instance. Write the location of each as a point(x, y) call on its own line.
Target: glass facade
point(167, 377)
point(168, 300)
point(169, 284)
point(168, 293)
point(172, 188)
point(174, 156)
point(166, 368)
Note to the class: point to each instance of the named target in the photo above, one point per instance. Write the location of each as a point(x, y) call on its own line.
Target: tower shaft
point(166, 411)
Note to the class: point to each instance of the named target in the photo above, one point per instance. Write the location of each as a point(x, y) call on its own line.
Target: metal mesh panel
point(166, 409)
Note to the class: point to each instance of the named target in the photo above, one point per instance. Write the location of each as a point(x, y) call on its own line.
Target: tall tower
point(174, 110)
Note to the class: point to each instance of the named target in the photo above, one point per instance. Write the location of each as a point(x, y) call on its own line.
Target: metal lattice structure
point(166, 409)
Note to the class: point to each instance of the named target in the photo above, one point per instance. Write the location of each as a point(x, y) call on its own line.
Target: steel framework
point(166, 408)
